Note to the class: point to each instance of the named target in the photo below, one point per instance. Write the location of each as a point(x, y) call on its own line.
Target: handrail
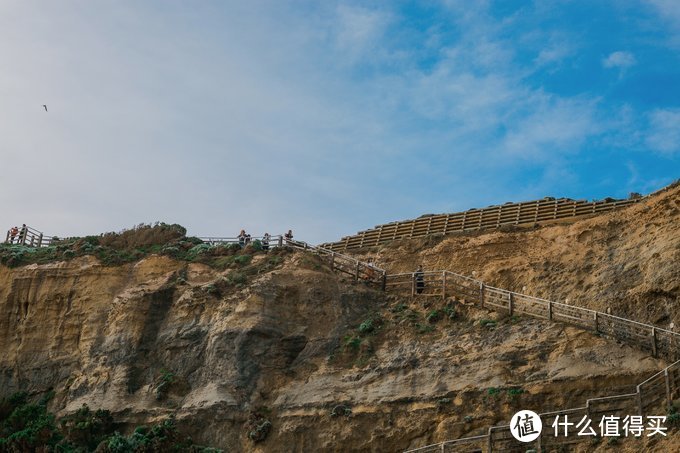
point(274, 240)
point(669, 392)
point(546, 301)
point(360, 270)
point(29, 237)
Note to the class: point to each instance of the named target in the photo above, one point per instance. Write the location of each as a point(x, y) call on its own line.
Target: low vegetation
point(27, 426)
point(130, 245)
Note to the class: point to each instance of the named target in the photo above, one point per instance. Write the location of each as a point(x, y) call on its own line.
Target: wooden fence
point(525, 213)
point(659, 342)
point(271, 241)
point(29, 237)
point(654, 396)
point(651, 397)
point(359, 270)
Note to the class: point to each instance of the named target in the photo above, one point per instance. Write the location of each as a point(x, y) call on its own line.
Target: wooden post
point(442, 447)
point(481, 294)
point(511, 303)
point(669, 400)
point(596, 321)
point(384, 281)
point(489, 441)
point(654, 351)
point(550, 310)
point(356, 275)
point(639, 402)
point(413, 285)
point(332, 260)
point(40, 238)
point(444, 286)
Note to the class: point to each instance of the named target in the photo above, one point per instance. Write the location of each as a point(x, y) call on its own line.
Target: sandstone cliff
point(334, 365)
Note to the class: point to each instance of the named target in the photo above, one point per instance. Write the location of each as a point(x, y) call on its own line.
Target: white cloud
point(619, 59)
point(664, 131)
point(359, 32)
point(668, 9)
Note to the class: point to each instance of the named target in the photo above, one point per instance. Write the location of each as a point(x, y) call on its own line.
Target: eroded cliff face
point(160, 338)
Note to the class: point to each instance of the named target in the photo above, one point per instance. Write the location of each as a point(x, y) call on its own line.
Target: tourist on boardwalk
point(288, 236)
point(419, 277)
point(13, 234)
point(248, 238)
point(242, 238)
point(370, 269)
point(265, 241)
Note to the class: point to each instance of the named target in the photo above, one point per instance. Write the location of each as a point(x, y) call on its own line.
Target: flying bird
point(45, 107)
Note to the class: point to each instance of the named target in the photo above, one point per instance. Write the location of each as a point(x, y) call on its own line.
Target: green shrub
point(515, 392)
point(87, 428)
point(366, 327)
point(166, 379)
point(353, 343)
point(25, 426)
point(450, 312)
point(493, 391)
point(236, 278)
point(673, 417)
point(487, 323)
point(143, 235)
point(433, 316)
point(198, 250)
point(242, 260)
point(399, 308)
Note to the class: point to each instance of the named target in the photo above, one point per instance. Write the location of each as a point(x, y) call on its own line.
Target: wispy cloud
point(663, 135)
point(619, 59)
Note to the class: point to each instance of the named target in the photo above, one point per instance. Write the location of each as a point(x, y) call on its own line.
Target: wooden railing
point(659, 342)
point(271, 241)
point(530, 212)
point(359, 270)
point(654, 394)
point(29, 237)
point(651, 397)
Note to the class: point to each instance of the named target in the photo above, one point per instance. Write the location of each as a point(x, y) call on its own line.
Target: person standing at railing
point(13, 234)
point(370, 269)
point(265, 241)
point(288, 236)
point(419, 278)
point(248, 239)
point(242, 238)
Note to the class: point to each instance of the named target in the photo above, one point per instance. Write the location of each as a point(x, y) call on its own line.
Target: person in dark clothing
point(265, 241)
point(419, 277)
point(288, 236)
point(242, 238)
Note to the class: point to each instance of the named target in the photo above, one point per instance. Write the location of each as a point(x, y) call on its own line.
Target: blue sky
point(327, 117)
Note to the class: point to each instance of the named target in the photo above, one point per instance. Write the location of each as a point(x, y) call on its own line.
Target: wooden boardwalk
point(525, 213)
